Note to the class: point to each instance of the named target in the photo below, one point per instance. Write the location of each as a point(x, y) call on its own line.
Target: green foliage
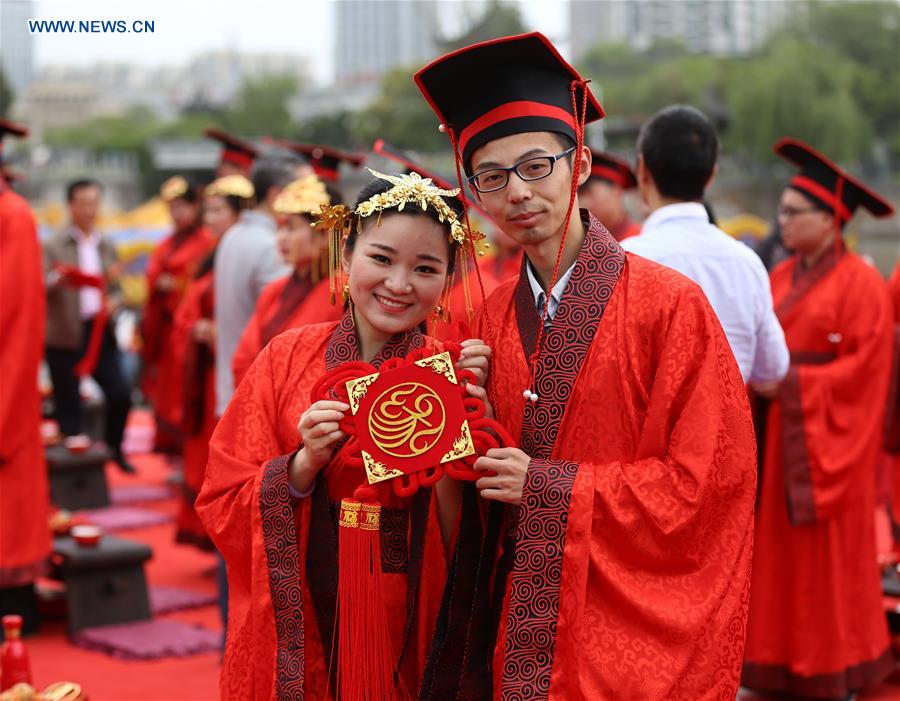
point(261, 107)
point(339, 129)
point(799, 90)
point(6, 94)
point(831, 76)
point(400, 116)
point(498, 19)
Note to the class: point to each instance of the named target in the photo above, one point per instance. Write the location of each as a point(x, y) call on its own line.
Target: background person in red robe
point(817, 626)
point(892, 416)
point(603, 194)
point(268, 506)
point(170, 268)
point(627, 566)
point(24, 497)
point(194, 342)
point(304, 296)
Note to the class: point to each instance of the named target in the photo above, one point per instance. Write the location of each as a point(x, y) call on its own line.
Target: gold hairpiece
point(231, 186)
point(305, 196)
point(410, 189)
point(173, 188)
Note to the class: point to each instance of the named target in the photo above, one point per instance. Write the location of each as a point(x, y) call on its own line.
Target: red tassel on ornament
point(365, 652)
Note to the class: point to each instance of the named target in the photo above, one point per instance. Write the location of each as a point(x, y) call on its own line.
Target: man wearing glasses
point(617, 544)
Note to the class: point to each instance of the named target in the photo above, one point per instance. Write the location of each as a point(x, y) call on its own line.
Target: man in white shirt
point(72, 312)
point(677, 150)
point(247, 260)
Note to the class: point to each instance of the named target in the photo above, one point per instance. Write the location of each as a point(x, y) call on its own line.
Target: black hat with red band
point(236, 151)
point(612, 169)
point(828, 186)
point(325, 161)
point(505, 86)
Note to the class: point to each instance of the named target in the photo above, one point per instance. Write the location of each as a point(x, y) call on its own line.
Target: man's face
point(603, 200)
point(529, 212)
point(805, 229)
point(83, 207)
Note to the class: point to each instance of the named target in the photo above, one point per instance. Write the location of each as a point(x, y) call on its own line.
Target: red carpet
point(103, 678)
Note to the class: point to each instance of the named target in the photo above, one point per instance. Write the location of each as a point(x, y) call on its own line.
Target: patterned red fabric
point(816, 624)
point(314, 308)
point(245, 505)
point(24, 536)
point(178, 255)
point(636, 527)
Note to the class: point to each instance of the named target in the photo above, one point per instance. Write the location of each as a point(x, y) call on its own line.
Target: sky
point(187, 27)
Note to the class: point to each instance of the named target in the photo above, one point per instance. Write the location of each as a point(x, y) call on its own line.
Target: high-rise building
point(374, 36)
point(721, 27)
point(16, 43)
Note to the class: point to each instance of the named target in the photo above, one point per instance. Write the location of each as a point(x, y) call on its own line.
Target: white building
point(16, 43)
point(374, 36)
point(720, 27)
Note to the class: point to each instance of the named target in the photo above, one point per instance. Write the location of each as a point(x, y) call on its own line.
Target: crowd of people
point(699, 445)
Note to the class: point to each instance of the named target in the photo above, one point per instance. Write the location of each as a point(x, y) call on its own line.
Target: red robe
point(892, 417)
point(178, 255)
point(633, 544)
point(493, 272)
point(287, 303)
point(281, 552)
point(626, 229)
point(24, 496)
point(198, 402)
point(817, 625)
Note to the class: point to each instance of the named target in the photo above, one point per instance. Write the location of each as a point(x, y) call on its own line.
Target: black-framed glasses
point(535, 168)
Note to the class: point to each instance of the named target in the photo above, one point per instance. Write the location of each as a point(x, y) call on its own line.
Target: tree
point(262, 107)
point(797, 89)
point(6, 95)
point(339, 129)
point(499, 19)
point(400, 116)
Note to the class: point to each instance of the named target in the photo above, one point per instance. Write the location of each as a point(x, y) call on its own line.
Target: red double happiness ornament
point(410, 423)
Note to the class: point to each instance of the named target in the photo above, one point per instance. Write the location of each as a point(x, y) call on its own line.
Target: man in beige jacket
point(72, 311)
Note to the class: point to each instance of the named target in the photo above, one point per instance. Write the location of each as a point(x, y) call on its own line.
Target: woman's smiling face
point(397, 271)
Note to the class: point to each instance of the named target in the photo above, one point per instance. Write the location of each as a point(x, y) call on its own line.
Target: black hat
point(827, 185)
point(325, 160)
point(505, 86)
point(612, 169)
point(235, 150)
point(410, 166)
point(13, 129)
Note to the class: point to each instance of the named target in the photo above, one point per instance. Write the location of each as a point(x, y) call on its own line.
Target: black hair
point(564, 140)
point(334, 192)
point(273, 170)
point(377, 186)
point(815, 202)
point(194, 191)
point(680, 147)
point(237, 204)
point(80, 184)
